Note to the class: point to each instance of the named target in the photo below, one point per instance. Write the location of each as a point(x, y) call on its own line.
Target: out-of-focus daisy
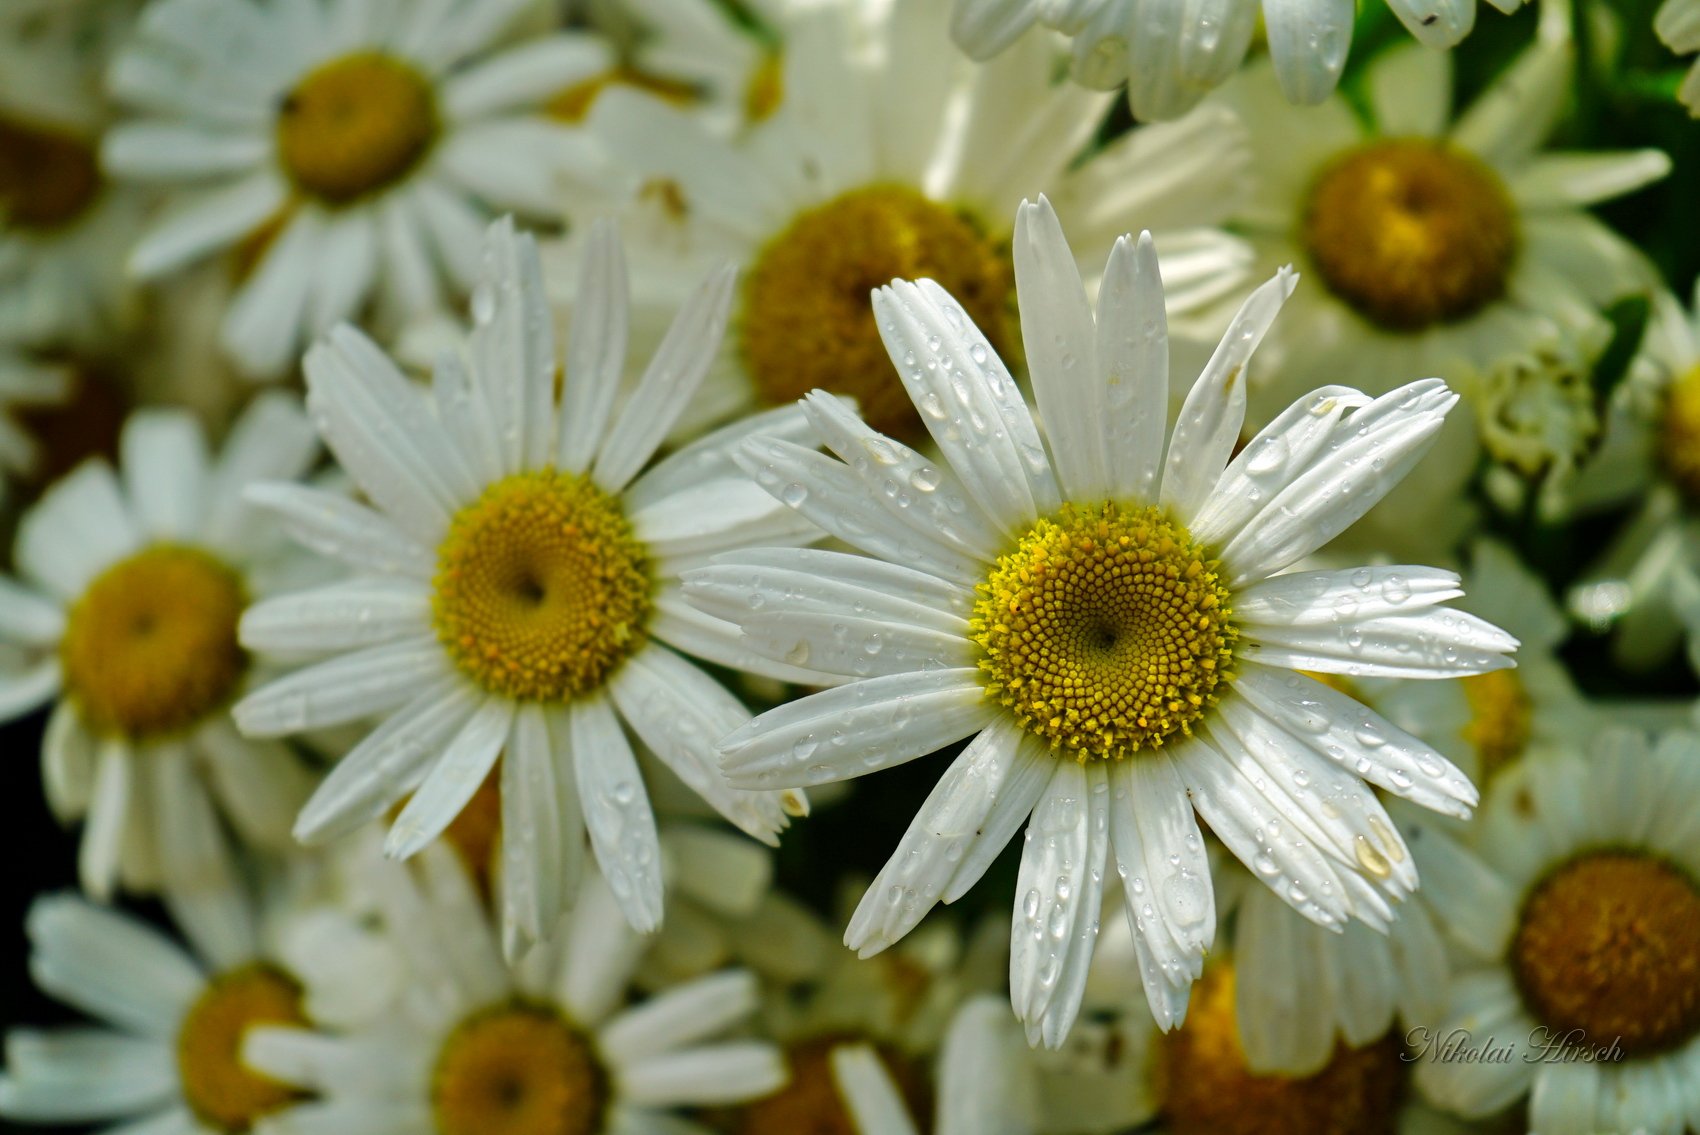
point(517, 587)
point(549, 1046)
point(1645, 586)
point(167, 1056)
point(125, 610)
point(358, 146)
point(1171, 59)
point(63, 227)
point(1438, 243)
point(891, 158)
point(1105, 622)
point(1599, 915)
point(24, 382)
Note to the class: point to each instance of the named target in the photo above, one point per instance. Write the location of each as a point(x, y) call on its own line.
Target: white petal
point(1052, 1025)
point(260, 784)
point(924, 862)
point(813, 579)
point(342, 689)
point(199, 879)
point(987, 1084)
point(1061, 342)
point(716, 1074)
point(524, 75)
point(340, 616)
point(711, 457)
point(683, 627)
point(27, 617)
point(714, 516)
point(855, 729)
point(1556, 180)
point(541, 863)
point(83, 1075)
point(1437, 24)
point(266, 319)
point(513, 348)
point(389, 761)
point(1051, 889)
point(1308, 42)
point(1411, 89)
point(1441, 643)
point(617, 812)
point(270, 439)
point(858, 646)
point(108, 816)
point(984, 28)
point(78, 528)
point(1209, 424)
point(454, 777)
point(1517, 113)
point(335, 526)
point(1318, 598)
point(163, 457)
point(24, 692)
point(870, 1096)
point(968, 402)
point(347, 268)
point(680, 1017)
point(596, 346)
point(205, 222)
point(1133, 368)
point(110, 965)
point(671, 378)
point(600, 951)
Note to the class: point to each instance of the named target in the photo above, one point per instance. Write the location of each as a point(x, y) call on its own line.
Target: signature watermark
point(1544, 1046)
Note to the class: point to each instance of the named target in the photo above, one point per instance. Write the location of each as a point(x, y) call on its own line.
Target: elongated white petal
point(617, 812)
point(78, 528)
point(1050, 889)
point(713, 1074)
point(342, 689)
point(855, 729)
point(870, 1096)
point(341, 616)
point(680, 1017)
point(1052, 1024)
point(1308, 42)
point(968, 402)
point(858, 646)
point(456, 775)
point(1209, 424)
point(543, 856)
point(200, 883)
point(110, 965)
point(513, 348)
point(926, 859)
point(163, 458)
point(741, 583)
point(342, 529)
point(1061, 341)
point(1322, 598)
point(1438, 643)
point(1133, 368)
point(712, 456)
point(84, 1075)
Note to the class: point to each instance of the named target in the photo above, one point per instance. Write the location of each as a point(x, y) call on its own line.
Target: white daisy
point(124, 609)
point(1105, 623)
point(1170, 59)
point(360, 144)
point(166, 1057)
point(479, 1048)
point(889, 158)
point(517, 586)
point(63, 227)
point(1440, 244)
point(1592, 871)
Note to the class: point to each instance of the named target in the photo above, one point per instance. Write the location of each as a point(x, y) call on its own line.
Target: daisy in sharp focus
point(359, 147)
point(123, 615)
point(1593, 865)
point(1170, 59)
point(517, 586)
point(1439, 243)
point(549, 1047)
point(1105, 622)
point(891, 157)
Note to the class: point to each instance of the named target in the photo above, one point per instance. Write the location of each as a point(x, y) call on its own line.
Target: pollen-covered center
point(150, 648)
point(518, 1070)
point(1205, 1087)
point(1679, 433)
point(1609, 944)
point(1501, 719)
point(47, 176)
point(355, 125)
point(810, 1103)
point(1411, 232)
point(220, 1089)
point(806, 321)
point(1106, 630)
point(541, 588)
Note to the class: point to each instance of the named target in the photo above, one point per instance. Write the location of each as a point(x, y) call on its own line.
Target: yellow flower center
point(1609, 944)
point(219, 1088)
point(1501, 719)
point(355, 125)
point(806, 319)
point(518, 1070)
point(766, 88)
point(151, 648)
point(1206, 1088)
point(1410, 232)
point(1106, 630)
point(572, 104)
point(809, 1103)
point(47, 177)
point(541, 588)
point(1679, 433)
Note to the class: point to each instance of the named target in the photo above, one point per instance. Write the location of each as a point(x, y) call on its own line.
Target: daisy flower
point(1591, 882)
point(1170, 60)
point(517, 586)
point(359, 146)
point(1440, 244)
point(166, 1056)
point(123, 615)
point(890, 158)
point(63, 227)
point(548, 1046)
point(1105, 622)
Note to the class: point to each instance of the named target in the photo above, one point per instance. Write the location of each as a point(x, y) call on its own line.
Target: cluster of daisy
point(490, 481)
